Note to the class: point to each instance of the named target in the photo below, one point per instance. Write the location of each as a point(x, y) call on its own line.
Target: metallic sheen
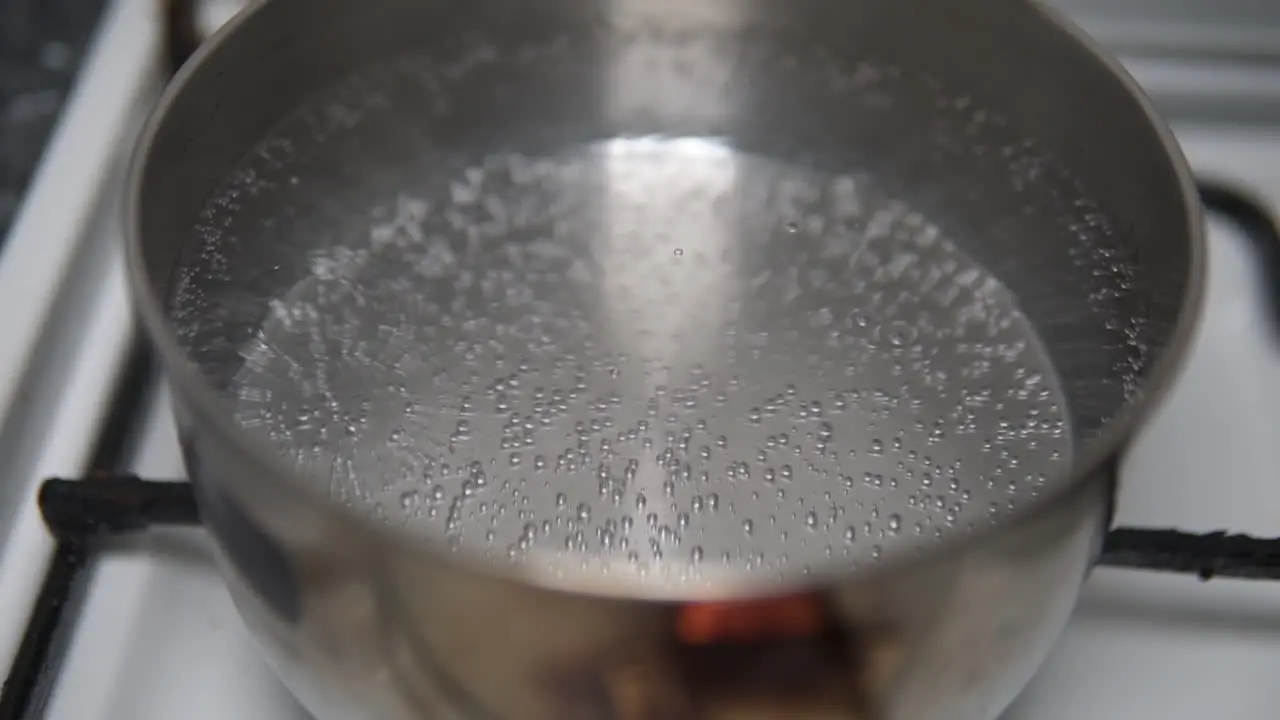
point(995, 121)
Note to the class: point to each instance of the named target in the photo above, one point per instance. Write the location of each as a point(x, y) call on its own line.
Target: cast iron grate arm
point(81, 510)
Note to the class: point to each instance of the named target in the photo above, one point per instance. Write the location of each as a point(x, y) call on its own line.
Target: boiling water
point(660, 356)
point(660, 353)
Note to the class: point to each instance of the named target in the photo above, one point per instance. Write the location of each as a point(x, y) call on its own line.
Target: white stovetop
point(157, 637)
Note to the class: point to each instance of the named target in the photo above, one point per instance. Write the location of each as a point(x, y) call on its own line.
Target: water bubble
point(409, 499)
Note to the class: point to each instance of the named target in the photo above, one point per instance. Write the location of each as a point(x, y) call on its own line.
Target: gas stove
point(111, 609)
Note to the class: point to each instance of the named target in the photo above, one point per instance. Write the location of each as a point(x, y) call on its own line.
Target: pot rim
point(1091, 466)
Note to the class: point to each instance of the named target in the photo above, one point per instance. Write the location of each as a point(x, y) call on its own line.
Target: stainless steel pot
point(361, 620)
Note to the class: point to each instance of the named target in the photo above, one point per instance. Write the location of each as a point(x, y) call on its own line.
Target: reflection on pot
point(789, 657)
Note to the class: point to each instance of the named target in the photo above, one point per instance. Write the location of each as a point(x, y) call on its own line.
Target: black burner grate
point(80, 513)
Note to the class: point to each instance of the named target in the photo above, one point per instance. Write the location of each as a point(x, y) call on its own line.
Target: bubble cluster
point(662, 352)
point(726, 311)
